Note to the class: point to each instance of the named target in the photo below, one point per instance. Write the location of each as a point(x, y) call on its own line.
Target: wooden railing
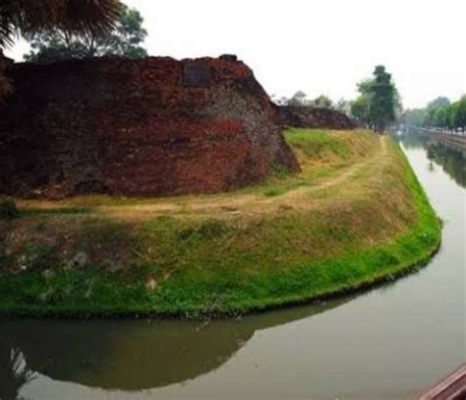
point(453, 387)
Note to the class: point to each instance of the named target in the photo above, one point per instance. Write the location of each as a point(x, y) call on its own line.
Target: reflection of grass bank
point(355, 215)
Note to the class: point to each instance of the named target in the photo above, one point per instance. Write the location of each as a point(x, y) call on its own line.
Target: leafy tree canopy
point(415, 117)
point(322, 102)
point(343, 106)
point(26, 17)
point(379, 101)
point(76, 16)
point(298, 99)
point(125, 39)
point(360, 108)
point(439, 113)
point(439, 101)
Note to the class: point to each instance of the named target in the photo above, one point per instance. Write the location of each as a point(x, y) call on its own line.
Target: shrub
point(212, 228)
point(8, 209)
point(280, 171)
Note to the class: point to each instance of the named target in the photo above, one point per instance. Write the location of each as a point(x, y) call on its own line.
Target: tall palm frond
point(26, 17)
point(90, 16)
point(74, 16)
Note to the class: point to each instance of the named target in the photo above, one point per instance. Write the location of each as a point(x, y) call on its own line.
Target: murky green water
point(390, 343)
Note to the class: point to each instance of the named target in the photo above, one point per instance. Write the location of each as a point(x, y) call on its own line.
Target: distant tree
point(458, 114)
point(414, 117)
point(439, 113)
point(441, 117)
point(379, 102)
point(298, 99)
point(283, 101)
point(383, 103)
point(125, 40)
point(322, 102)
point(344, 106)
point(360, 109)
point(439, 101)
point(448, 119)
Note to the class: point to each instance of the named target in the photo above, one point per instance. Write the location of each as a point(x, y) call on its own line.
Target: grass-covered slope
point(355, 216)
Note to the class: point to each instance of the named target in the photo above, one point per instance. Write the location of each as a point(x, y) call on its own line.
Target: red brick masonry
point(155, 126)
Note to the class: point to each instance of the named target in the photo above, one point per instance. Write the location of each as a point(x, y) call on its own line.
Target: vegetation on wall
point(300, 99)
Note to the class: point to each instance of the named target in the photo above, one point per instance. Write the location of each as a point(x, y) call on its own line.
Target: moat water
point(392, 342)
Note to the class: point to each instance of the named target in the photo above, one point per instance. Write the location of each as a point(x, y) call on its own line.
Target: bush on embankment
point(8, 209)
point(355, 216)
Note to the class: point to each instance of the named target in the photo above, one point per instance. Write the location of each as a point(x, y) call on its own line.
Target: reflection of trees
point(135, 355)
point(452, 161)
point(14, 373)
point(129, 355)
point(412, 140)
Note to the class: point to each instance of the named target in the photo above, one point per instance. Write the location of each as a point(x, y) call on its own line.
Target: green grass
point(323, 154)
point(213, 265)
point(318, 145)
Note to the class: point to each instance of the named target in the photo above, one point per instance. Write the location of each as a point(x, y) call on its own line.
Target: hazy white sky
point(319, 46)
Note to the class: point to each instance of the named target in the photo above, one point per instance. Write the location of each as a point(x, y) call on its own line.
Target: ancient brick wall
point(312, 117)
point(154, 126)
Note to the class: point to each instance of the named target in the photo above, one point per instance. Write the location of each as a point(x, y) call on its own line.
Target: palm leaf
point(74, 16)
point(96, 16)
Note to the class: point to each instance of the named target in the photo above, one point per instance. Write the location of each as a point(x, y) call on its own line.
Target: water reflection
point(129, 355)
point(412, 140)
point(452, 159)
point(380, 345)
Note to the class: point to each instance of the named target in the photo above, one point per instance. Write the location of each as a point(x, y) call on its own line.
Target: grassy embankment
point(355, 216)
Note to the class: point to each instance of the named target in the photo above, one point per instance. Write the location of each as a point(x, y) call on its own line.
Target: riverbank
point(355, 216)
point(454, 139)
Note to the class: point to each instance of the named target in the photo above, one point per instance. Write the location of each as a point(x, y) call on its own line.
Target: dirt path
point(246, 204)
point(313, 193)
point(354, 169)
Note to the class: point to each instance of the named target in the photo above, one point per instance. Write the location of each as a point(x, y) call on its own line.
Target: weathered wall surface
point(154, 126)
point(310, 117)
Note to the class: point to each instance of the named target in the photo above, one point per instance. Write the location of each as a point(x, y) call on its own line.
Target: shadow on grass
point(33, 212)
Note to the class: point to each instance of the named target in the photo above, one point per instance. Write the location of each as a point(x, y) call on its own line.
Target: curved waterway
point(389, 343)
